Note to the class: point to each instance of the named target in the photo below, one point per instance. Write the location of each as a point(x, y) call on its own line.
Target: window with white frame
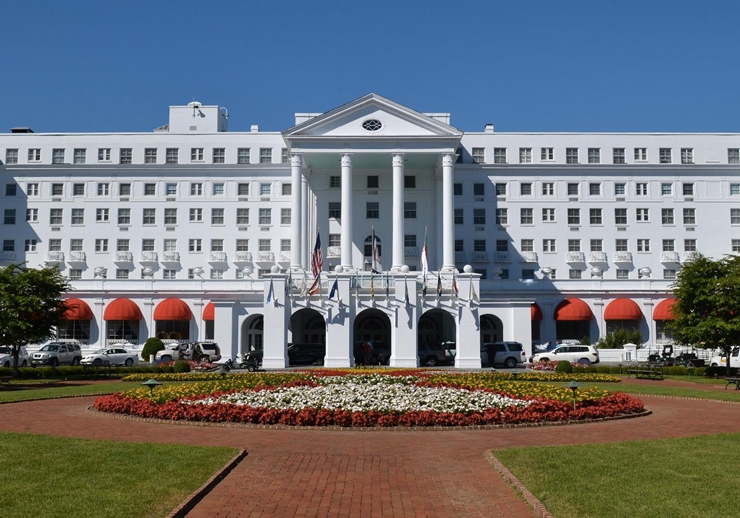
point(219, 155)
point(735, 216)
point(264, 245)
point(525, 155)
point(479, 155)
point(11, 156)
point(640, 154)
point(34, 155)
point(574, 274)
point(643, 245)
point(502, 245)
point(218, 189)
point(479, 216)
point(242, 189)
point(55, 216)
point(284, 155)
point(30, 245)
point(285, 245)
point(32, 189)
point(574, 245)
point(125, 155)
point(170, 216)
point(594, 155)
point(548, 215)
point(124, 189)
point(594, 189)
point(335, 239)
point(641, 189)
point(285, 216)
point(196, 189)
point(242, 216)
point(75, 274)
point(572, 189)
point(620, 189)
point(217, 245)
point(595, 216)
point(104, 154)
point(666, 189)
point(170, 189)
point(547, 154)
point(620, 216)
point(666, 216)
point(499, 155)
point(459, 217)
point(124, 245)
point(335, 182)
point(169, 274)
point(265, 216)
point(689, 245)
point(525, 189)
point(57, 156)
point(150, 155)
point(242, 245)
point(502, 216)
point(527, 245)
point(101, 245)
point(217, 273)
point(527, 274)
point(287, 189)
point(642, 215)
point(621, 245)
point(55, 245)
point(265, 189)
point(195, 245)
point(150, 189)
point(689, 216)
point(147, 245)
point(597, 245)
point(78, 216)
point(623, 274)
point(548, 189)
point(500, 189)
point(688, 189)
point(574, 216)
point(75, 245)
point(124, 216)
point(735, 189)
point(80, 156)
point(669, 274)
point(196, 154)
point(171, 155)
point(265, 155)
point(548, 245)
point(664, 155)
point(217, 216)
point(32, 215)
point(196, 215)
point(526, 216)
point(687, 155)
point(372, 210)
point(242, 155)
point(618, 155)
point(669, 245)
point(78, 189)
point(170, 245)
point(571, 155)
point(733, 155)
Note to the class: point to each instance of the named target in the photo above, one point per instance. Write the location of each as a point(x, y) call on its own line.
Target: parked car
point(57, 353)
point(306, 354)
point(111, 356)
point(584, 354)
point(198, 351)
point(440, 354)
point(509, 354)
point(6, 356)
point(721, 360)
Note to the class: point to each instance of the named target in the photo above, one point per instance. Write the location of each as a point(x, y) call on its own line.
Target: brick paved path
point(347, 473)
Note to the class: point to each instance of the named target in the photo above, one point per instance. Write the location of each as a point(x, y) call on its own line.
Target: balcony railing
point(77, 257)
point(217, 257)
point(171, 257)
point(502, 257)
point(284, 256)
point(690, 256)
point(124, 257)
point(622, 257)
point(411, 251)
point(575, 257)
point(528, 257)
point(461, 257)
point(265, 257)
point(55, 257)
point(333, 251)
point(597, 257)
point(7, 257)
point(149, 257)
point(243, 257)
point(670, 257)
point(480, 257)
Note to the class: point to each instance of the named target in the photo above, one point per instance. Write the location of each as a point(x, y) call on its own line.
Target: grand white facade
point(186, 232)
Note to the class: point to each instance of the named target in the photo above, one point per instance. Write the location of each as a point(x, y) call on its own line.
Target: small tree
point(31, 306)
point(151, 347)
point(706, 311)
point(619, 337)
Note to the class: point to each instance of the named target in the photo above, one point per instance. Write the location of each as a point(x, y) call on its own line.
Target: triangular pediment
point(389, 120)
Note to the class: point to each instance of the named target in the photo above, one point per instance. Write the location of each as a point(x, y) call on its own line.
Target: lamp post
point(151, 383)
point(573, 385)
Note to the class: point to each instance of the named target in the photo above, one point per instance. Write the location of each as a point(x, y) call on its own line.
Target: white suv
point(583, 354)
point(508, 353)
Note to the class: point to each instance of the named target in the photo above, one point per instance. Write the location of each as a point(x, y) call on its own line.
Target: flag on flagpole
point(439, 285)
point(289, 283)
point(270, 293)
point(315, 287)
point(375, 267)
point(317, 263)
point(387, 286)
point(425, 255)
point(474, 296)
point(334, 289)
point(455, 289)
point(372, 285)
point(304, 288)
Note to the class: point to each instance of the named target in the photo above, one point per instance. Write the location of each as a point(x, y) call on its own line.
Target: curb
point(196, 496)
point(539, 509)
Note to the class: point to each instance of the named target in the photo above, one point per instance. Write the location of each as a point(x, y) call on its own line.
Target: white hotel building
point(187, 231)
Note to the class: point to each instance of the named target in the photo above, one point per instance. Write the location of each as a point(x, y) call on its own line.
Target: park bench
point(5, 380)
point(733, 381)
point(102, 369)
point(651, 372)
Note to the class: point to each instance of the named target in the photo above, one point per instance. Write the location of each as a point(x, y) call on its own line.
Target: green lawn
point(658, 388)
point(46, 476)
point(691, 477)
point(20, 391)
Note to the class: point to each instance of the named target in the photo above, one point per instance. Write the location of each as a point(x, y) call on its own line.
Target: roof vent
point(21, 130)
point(254, 128)
point(489, 128)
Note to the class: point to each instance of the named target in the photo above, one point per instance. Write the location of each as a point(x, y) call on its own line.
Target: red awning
point(536, 312)
point(209, 312)
point(664, 310)
point(573, 309)
point(622, 309)
point(122, 309)
point(172, 309)
point(77, 310)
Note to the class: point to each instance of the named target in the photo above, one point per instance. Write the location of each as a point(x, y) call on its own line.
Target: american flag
point(317, 258)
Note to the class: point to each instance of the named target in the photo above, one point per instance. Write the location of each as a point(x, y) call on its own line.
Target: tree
point(31, 305)
point(707, 308)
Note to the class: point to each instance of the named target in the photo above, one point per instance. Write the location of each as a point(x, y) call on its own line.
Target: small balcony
point(411, 251)
point(284, 257)
point(480, 257)
point(265, 258)
point(575, 258)
point(333, 251)
point(528, 257)
point(690, 256)
point(124, 257)
point(171, 258)
point(502, 257)
point(597, 257)
point(217, 257)
point(54, 257)
point(243, 257)
point(77, 258)
point(461, 257)
point(149, 257)
point(623, 257)
point(7, 257)
point(670, 258)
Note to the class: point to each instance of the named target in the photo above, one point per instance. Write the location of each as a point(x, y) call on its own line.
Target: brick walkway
point(346, 473)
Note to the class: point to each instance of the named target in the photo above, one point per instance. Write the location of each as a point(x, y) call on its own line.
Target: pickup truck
point(198, 351)
point(721, 361)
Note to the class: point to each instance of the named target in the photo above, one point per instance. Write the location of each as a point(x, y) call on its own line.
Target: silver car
point(57, 353)
point(110, 356)
point(6, 356)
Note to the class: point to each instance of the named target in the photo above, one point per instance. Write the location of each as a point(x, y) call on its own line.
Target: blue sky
point(521, 65)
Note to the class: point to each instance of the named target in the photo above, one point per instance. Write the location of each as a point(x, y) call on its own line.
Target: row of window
point(149, 189)
point(594, 189)
point(573, 274)
point(574, 245)
point(149, 216)
point(595, 216)
point(593, 155)
point(151, 155)
point(147, 245)
point(75, 274)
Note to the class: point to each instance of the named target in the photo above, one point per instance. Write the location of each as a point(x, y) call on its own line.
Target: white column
point(307, 216)
point(448, 210)
point(296, 165)
point(398, 199)
point(346, 236)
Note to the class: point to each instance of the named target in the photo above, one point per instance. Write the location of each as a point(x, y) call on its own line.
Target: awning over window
point(77, 310)
point(622, 309)
point(209, 312)
point(536, 312)
point(172, 309)
point(664, 310)
point(122, 309)
point(573, 309)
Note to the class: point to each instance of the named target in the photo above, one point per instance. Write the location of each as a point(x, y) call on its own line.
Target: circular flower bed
point(325, 399)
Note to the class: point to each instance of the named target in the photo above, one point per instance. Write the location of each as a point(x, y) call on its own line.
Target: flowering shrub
point(405, 398)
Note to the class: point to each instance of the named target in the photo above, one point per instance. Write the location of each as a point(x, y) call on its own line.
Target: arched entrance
point(491, 329)
point(252, 334)
point(308, 343)
point(437, 332)
point(374, 326)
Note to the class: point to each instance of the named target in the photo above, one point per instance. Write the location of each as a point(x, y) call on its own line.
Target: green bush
point(592, 369)
point(182, 366)
point(564, 367)
point(618, 338)
point(579, 370)
point(586, 340)
point(151, 347)
point(605, 369)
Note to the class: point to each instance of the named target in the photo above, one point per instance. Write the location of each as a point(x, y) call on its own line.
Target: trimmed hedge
point(82, 372)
